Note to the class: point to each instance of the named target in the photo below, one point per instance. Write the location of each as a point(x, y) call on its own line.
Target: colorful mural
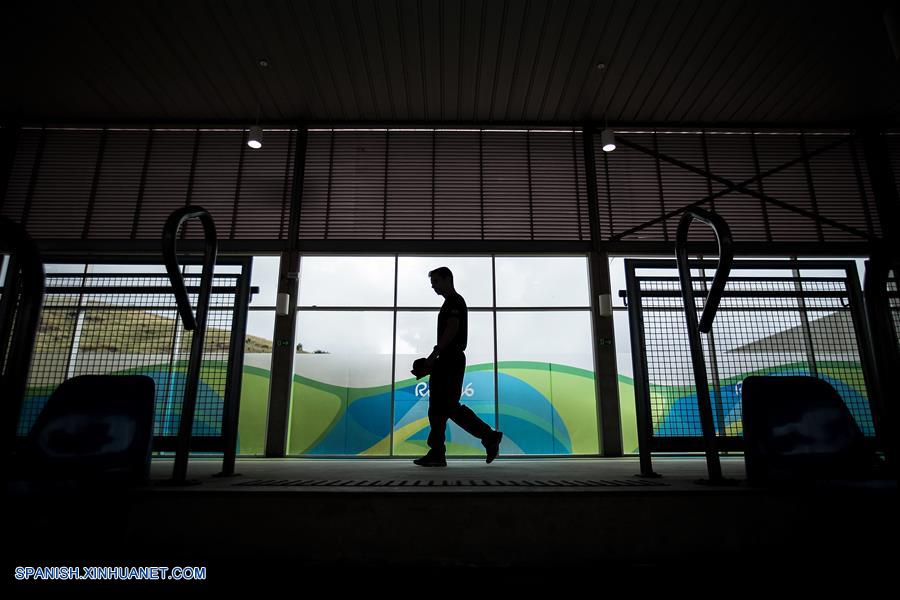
point(680, 415)
point(545, 408)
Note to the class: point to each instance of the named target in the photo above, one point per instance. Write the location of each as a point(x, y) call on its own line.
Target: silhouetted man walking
point(447, 363)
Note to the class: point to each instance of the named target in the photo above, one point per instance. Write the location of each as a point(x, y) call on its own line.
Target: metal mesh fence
point(127, 323)
point(765, 325)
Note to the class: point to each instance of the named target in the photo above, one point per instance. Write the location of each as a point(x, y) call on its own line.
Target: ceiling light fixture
point(607, 139)
point(254, 138)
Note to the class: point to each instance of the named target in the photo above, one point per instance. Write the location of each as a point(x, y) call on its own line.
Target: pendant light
point(254, 138)
point(607, 139)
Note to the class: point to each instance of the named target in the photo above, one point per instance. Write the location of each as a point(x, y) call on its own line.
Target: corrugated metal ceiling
point(452, 61)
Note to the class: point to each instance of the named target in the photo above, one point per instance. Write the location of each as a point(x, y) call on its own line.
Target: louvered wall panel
point(457, 185)
point(356, 207)
point(633, 188)
point(731, 156)
point(681, 187)
point(24, 164)
point(316, 181)
point(555, 195)
point(427, 184)
point(833, 186)
point(443, 184)
point(215, 180)
point(123, 183)
point(892, 141)
point(265, 189)
point(507, 209)
point(119, 185)
point(866, 186)
point(62, 191)
point(840, 187)
point(584, 223)
point(790, 185)
point(167, 180)
point(410, 194)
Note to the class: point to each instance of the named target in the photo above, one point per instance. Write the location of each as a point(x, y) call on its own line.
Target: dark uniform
point(446, 382)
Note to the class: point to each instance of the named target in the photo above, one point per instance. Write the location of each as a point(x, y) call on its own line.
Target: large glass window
point(471, 278)
point(542, 281)
point(546, 382)
point(257, 372)
point(341, 401)
point(347, 281)
point(416, 332)
point(354, 394)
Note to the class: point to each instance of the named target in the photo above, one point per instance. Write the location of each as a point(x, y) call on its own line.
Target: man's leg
point(438, 410)
point(461, 414)
point(466, 418)
point(437, 420)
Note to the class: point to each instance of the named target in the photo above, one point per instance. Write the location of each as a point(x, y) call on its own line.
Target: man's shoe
point(494, 447)
point(431, 461)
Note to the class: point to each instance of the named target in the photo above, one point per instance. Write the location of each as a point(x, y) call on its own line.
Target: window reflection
point(415, 338)
point(542, 281)
point(341, 388)
point(346, 281)
point(546, 382)
point(471, 278)
point(255, 381)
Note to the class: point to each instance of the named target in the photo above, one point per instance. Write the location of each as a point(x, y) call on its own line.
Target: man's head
point(441, 280)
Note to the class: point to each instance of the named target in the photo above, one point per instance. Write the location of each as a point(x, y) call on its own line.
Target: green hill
point(128, 332)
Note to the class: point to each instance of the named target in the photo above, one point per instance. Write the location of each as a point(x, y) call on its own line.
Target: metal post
point(75, 341)
point(639, 366)
point(606, 378)
point(870, 356)
point(804, 322)
point(714, 364)
point(282, 374)
point(232, 409)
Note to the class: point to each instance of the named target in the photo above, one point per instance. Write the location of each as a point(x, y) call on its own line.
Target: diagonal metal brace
point(741, 187)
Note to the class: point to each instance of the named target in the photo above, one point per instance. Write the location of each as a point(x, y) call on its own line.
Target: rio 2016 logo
point(422, 390)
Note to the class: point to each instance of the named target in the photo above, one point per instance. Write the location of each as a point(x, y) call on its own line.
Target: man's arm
point(449, 333)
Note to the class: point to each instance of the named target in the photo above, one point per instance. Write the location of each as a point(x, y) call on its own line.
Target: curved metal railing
point(710, 307)
point(192, 322)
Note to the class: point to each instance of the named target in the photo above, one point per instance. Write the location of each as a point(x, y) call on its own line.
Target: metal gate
point(125, 321)
point(777, 317)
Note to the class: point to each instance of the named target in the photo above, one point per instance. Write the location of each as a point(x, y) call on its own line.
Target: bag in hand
point(420, 368)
